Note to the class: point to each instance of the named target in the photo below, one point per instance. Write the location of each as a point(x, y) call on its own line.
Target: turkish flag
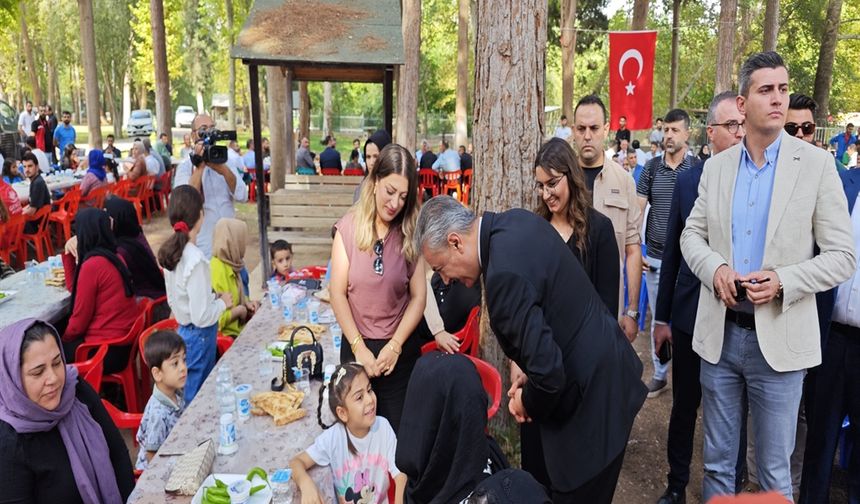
point(631, 78)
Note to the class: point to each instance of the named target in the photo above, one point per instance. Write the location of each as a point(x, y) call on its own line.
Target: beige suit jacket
point(807, 207)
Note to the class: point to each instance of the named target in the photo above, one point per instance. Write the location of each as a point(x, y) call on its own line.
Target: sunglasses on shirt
point(377, 263)
point(806, 127)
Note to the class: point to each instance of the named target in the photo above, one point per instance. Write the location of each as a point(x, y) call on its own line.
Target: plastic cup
point(336, 335)
point(314, 311)
point(243, 401)
point(328, 372)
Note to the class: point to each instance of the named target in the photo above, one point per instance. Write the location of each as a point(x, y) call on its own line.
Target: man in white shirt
point(563, 131)
point(44, 165)
point(448, 159)
point(25, 121)
point(220, 185)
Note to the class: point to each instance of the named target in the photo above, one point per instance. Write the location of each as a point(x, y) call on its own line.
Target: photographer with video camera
point(207, 171)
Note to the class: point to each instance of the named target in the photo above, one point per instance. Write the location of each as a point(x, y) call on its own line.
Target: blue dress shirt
point(750, 207)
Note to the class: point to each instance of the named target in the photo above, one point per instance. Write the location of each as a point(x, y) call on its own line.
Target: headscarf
point(228, 245)
point(95, 238)
point(129, 236)
point(442, 445)
point(82, 437)
point(380, 138)
point(97, 164)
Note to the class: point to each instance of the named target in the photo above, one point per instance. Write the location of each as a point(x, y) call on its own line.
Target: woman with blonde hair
point(377, 282)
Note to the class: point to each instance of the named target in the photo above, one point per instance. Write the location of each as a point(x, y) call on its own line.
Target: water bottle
point(227, 444)
point(225, 392)
point(274, 293)
point(280, 482)
point(287, 311)
point(336, 335)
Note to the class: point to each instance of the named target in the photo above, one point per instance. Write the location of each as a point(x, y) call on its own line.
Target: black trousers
point(598, 490)
point(390, 390)
point(837, 393)
point(686, 398)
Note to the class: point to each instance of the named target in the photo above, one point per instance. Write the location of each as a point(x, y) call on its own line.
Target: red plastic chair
point(67, 207)
point(163, 194)
point(150, 316)
point(330, 171)
point(127, 377)
point(41, 239)
point(10, 234)
point(353, 172)
point(451, 182)
point(146, 195)
point(91, 370)
point(96, 197)
point(469, 336)
point(123, 420)
point(467, 185)
point(492, 382)
point(429, 181)
point(223, 344)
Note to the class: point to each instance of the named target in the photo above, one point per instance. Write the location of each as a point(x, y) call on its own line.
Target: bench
point(304, 212)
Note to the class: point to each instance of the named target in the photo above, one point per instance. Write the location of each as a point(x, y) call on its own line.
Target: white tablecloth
point(32, 300)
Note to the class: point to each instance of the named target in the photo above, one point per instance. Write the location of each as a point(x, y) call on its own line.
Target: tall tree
point(461, 129)
point(407, 77)
point(510, 55)
point(276, 90)
point(676, 27)
point(826, 55)
point(327, 109)
point(231, 65)
point(91, 73)
point(162, 77)
point(568, 52)
point(32, 66)
point(304, 110)
point(725, 45)
point(640, 15)
point(771, 25)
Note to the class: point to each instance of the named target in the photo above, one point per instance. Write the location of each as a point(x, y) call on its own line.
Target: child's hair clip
point(339, 375)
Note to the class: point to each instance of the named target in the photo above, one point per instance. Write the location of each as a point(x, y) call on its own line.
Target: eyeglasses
point(807, 127)
point(550, 186)
point(377, 263)
point(732, 126)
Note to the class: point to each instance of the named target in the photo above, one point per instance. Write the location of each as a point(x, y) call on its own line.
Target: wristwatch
point(633, 314)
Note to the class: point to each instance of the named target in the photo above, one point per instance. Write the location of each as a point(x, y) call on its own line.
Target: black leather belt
point(741, 319)
point(847, 330)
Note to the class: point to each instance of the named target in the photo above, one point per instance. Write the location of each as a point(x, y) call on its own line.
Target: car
point(140, 123)
point(184, 116)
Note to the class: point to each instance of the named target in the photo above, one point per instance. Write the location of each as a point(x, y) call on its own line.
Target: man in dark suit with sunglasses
point(800, 120)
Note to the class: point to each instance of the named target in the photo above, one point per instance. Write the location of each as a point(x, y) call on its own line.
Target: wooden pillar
point(290, 163)
point(262, 207)
point(388, 99)
point(277, 124)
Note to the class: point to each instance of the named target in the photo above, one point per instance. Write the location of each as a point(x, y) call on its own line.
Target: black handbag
point(308, 356)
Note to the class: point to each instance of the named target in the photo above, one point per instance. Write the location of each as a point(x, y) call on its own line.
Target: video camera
point(212, 153)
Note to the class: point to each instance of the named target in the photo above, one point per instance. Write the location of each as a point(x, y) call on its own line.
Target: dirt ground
point(643, 477)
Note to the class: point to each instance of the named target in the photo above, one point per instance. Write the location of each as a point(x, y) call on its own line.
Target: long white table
point(55, 183)
point(32, 299)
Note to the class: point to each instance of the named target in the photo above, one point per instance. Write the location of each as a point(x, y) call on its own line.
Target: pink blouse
point(377, 302)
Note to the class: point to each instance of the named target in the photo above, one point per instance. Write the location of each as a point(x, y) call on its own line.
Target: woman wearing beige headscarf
point(228, 252)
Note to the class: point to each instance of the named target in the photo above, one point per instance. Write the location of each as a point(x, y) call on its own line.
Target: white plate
point(264, 496)
point(7, 295)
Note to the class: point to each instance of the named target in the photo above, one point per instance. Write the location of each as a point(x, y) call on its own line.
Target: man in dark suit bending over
point(582, 383)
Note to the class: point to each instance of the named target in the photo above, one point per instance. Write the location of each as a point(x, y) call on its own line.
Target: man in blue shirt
point(633, 165)
point(65, 133)
point(447, 160)
point(843, 140)
point(248, 159)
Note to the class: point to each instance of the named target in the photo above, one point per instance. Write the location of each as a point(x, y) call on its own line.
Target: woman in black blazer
point(566, 204)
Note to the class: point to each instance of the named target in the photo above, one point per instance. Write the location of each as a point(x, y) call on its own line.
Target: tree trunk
point(568, 51)
point(508, 120)
point(304, 110)
point(824, 72)
point(112, 106)
point(74, 93)
point(725, 45)
point(231, 64)
point(52, 98)
point(91, 73)
point(461, 128)
point(289, 139)
point(640, 15)
point(201, 107)
point(747, 13)
point(676, 24)
point(29, 57)
point(327, 113)
point(276, 91)
point(771, 25)
point(162, 78)
point(407, 75)
point(126, 97)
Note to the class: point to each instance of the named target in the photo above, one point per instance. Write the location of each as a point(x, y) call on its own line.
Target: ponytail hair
point(338, 388)
point(184, 210)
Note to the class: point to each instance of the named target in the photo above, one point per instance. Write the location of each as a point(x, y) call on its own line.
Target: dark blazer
point(330, 158)
point(427, 160)
point(601, 261)
point(584, 383)
point(678, 292)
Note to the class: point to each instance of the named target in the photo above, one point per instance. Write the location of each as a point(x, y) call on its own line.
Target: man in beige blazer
point(763, 205)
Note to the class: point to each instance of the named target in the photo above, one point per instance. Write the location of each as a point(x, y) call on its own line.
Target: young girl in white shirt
point(189, 286)
point(359, 448)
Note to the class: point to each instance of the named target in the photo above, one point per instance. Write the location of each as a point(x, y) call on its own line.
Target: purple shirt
point(377, 302)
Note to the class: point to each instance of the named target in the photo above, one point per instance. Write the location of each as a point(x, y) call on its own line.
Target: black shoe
point(673, 497)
